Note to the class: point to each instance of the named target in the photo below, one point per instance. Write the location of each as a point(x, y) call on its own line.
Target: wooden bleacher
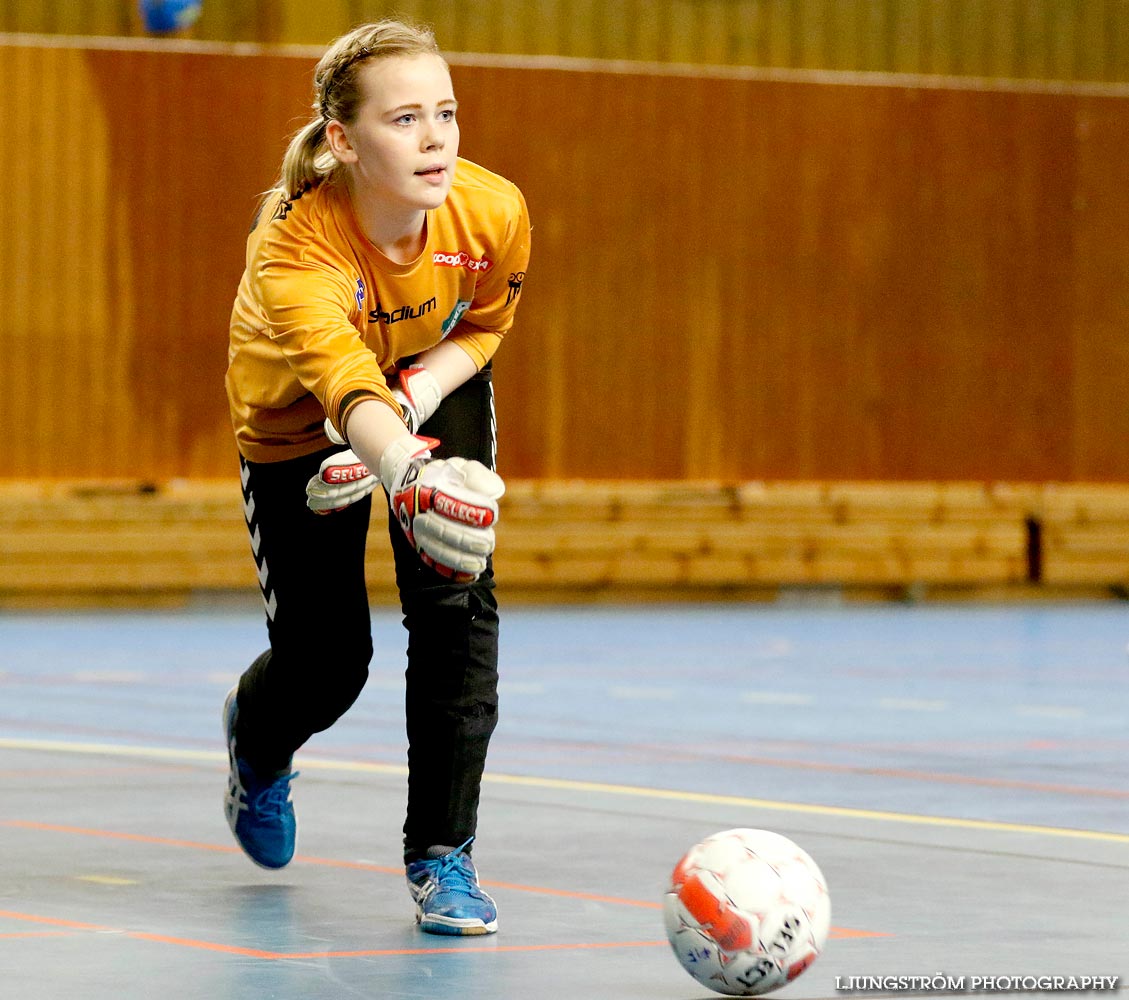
point(1085, 535)
point(703, 536)
point(128, 542)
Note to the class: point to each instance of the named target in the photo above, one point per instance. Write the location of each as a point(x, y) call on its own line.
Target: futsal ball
point(746, 912)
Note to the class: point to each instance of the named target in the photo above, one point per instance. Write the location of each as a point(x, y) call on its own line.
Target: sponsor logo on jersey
point(360, 294)
point(378, 315)
point(460, 258)
point(283, 209)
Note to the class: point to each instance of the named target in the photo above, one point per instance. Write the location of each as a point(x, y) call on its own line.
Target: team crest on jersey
point(461, 306)
point(360, 295)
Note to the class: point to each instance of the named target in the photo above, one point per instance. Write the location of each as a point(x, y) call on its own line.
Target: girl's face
point(403, 145)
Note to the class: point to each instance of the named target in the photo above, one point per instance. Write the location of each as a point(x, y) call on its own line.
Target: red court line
point(73, 925)
point(376, 952)
point(842, 933)
point(275, 956)
point(280, 955)
point(34, 934)
point(310, 860)
point(227, 949)
point(590, 897)
point(836, 932)
point(114, 835)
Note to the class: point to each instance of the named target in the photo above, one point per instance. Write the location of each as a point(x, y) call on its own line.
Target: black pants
point(311, 569)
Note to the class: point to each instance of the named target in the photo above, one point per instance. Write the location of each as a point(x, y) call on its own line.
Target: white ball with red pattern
point(746, 912)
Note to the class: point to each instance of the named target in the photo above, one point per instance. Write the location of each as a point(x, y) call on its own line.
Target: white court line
point(913, 704)
point(521, 687)
point(108, 676)
point(386, 682)
point(772, 649)
point(776, 698)
point(218, 757)
point(641, 693)
point(1051, 711)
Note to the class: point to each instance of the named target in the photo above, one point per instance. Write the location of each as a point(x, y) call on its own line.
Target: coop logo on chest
point(460, 258)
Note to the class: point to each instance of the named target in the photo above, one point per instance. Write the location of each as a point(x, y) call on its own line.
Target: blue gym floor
point(960, 773)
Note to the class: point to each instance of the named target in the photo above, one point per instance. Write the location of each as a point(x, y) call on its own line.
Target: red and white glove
point(342, 479)
point(419, 396)
point(446, 507)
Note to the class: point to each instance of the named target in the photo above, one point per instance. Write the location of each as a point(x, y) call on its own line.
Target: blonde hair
point(337, 95)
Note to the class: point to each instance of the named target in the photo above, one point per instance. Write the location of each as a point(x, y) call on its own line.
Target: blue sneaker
point(259, 811)
point(447, 895)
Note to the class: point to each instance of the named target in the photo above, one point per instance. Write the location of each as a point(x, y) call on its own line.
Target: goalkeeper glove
point(419, 396)
point(447, 508)
point(342, 479)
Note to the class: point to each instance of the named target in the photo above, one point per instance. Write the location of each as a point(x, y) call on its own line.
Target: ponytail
point(338, 95)
point(308, 160)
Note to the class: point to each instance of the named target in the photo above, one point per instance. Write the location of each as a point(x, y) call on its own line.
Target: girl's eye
point(405, 119)
point(447, 116)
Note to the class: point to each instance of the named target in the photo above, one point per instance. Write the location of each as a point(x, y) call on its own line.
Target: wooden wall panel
point(737, 278)
point(872, 282)
point(1032, 39)
point(133, 182)
point(1099, 334)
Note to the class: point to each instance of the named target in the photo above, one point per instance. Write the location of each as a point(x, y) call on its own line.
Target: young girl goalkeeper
point(380, 278)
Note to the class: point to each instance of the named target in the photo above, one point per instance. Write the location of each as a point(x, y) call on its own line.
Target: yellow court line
point(803, 807)
point(570, 785)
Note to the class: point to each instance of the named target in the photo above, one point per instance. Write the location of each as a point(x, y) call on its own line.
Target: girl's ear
point(338, 141)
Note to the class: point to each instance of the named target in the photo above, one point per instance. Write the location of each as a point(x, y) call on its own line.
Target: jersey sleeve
point(307, 304)
point(491, 313)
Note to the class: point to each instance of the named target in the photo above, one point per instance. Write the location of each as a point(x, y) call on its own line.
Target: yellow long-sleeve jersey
point(322, 316)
